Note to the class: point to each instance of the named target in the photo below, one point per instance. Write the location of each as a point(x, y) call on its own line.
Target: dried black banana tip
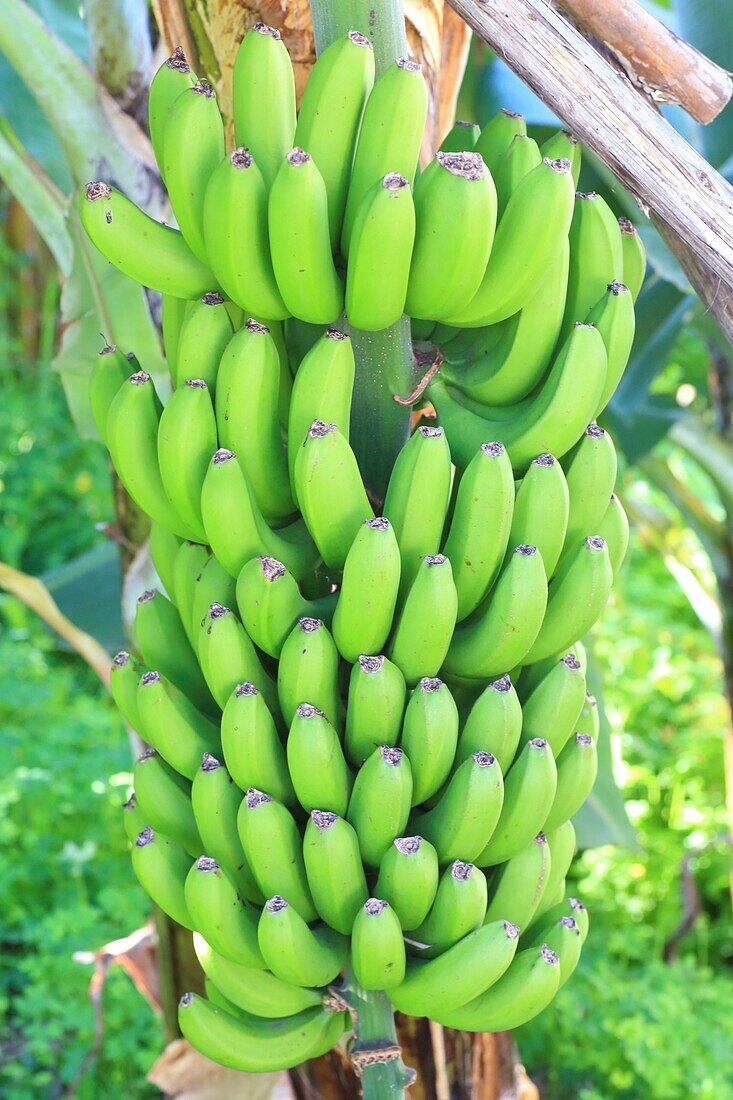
point(255, 326)
point(241, 158)
point(408, 845)
point(484, 759)
point(212, 298)
point(583, 739)
point(307, 710)
point(595, 542)
point(617, 288)
point(378, 524)
point(571, 661)
point(221, 456)
point(510, 114)
point(272, 569)
point(408, 65)
point(538, 743)
point(209, 763)
point(360, 39)
point(545, 459)
point(177, 61)
point(219, 611)
point(187, 999)
point(391, 756)
point(97, 190)
point(108, 349)
point(148, 678)
point(576, 905)
point(247, 688)
point(148, 595)
point(503, 684)
point(139, 378)
point(512, 930)
point(549, 956)
point(525, 550)
point(430, 684)
point(206, 864)
point(324, 819)
point(626, 226)
point(393, 181)
point(593, 431)
point(255, 798)
point(196, 384)
point(430, 433)
point(203, 88)
point(493, 450)
point(146, 754)
point(461, 871)
point(276, 904)
point(319, 429)
point(569, 922)
point(145, 837)
point(297, 157)
point(435, 559)
point(265, 29)
point(469, 166)
point(336, 334)
point(308, 625)
point(371, 665)
point(541, 838)
point(120, 659)
point(374, 906)
point(561, 165)
point(131, 802)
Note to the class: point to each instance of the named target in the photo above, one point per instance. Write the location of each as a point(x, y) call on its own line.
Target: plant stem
point(382, 21)
point(375, 1050)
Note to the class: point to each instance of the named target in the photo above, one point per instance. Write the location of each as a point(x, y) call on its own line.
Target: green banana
point(299, 244)
point(614, 529)
point(564, 938)
point(596, 257)
point(330, 113)
point(378, 955)
point(263, 98)
point(308, 673)
point(164, 546)
point(527, 987)
point(228, 657)
point(161, 867)
point(461, 137)
point(480, 526)
point(189, 561)
point(613, 316)
point(532, 674)
point(417, 499)
point(633, 256)
point(164, 798)
point(590, 470)
point(390, 135)
point(529, 791)
point(193, 146)
point(380, 802)
point(426, 622)
point(501, 631)
point(541, 510)
point(368, 594)
point(553, 708)
point(216, 799)
point(518, 161)
point(375, 707)
point(552, 419)
point(330, 491)
point(429, 736)
point(164, 645)
point(318, 770)
point(172, 315)
point(576, 597)
point(517, 887)
point(528, 238)
point(145, 250)
point(570, 907)
point(110, 371)
point(455, 214)
point(235, 232)
point(253, 751)
point(247, 396)
point(296, 953)
point(458, 910)
point(124, 677)
point(464, 971)
point(173, 77)
point(173, 726)
point(269, 603)
point(211, 585)
point(464, 818)
point(377, 278)
point(564, 144)
point(133, 819)
point(497, 135)
point(493, 724)
point(205, 332)
point(561, 844)
point(220, 915)
point(271, 841)
point(577, 767)
point(186, 440)
point(334, 869)
point(408, 879)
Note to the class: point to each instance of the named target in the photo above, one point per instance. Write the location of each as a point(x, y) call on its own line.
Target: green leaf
point(39, 196)
point(88, 590)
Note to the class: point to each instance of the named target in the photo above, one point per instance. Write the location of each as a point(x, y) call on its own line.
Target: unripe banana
point(493, 724)
point(164, 798)
point(426, 622)
point(227, 657)
point(528, 238)
point(164, 645)
point(613, 316)
point(173, 77)
point(216, 997)
point(532, 675)
point(145, 250)
point(377, 948)
point(461, 138)
point(216, 800)
point(541, 510)
point(634, 256)
point(272, 845)
point(172, 315)
point(221, 918)
point(110, 371)
point(526, 988)
point(253, 751)
point(247, 397)
point(408, 879)
point(269, 603)
point(380, 802)
point(564, 144)
point(164, 547)
point(518, 161)
point(529, 791)
point(465, 970)
point(590, 470)
point(480, 525)
point(296, 953)
point(561, 844)
point(553, 708)
point(133, 819)
point(186, 440)
point(299, 242)
point(205, 333)
point(330, 491)
point(329, 117)
point(190, 559)
point(589, 721)
point(390, 135)
point(123, 680)
point(564, 938)
point(576, 597)
point(235, 232)
point(504, 628)
point(257, 1046)
point(368, 594)
point(417, 499)
point(334, 869)
point(308, 672)
point(172, 725)
point(455, 212)
point(614, 529)
point(318, 770)
point(193, 146)
point(375, 707)
point(577, 767)
point(497, 135)
point(263, 98)
point(161, 867)
point(570, 907)
point(429, 737)
point(466, 815)
point(458, 910)
point(518, 886)
point(377, 277)
point(596, 257)
point(211, 585)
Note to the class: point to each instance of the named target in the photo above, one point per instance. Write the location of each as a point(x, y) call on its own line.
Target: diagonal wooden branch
point(654, 57)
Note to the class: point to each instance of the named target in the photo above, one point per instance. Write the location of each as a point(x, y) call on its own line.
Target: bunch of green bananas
point(368, 734)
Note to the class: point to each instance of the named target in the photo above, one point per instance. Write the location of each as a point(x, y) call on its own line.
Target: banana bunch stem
point(375, 1052)
point(383, 23)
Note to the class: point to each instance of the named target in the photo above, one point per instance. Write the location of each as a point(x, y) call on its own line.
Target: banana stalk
point(375, 1051)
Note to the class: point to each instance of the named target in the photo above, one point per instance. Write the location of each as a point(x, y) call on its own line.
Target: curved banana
point(263, 98)
point(518, 161)
point(541, 510)
point(186, 440)
point(164, 798)
point(614, 529)
point(497, 135)
point(222, 919)
point(590, 471)
point(216, 799)
point(493, 724)
point(517, 887)
point(565, 939)
point(577, 767)
point(378, 956)
point(318, 770)
point(561, 844)
point(172, 725)
point(461, 138)
point(613, 316)
point(633, 255)
point(253, 751)
point(164, 645)
point(269, 603)
point(161, 867)
point(596, 257)
point(375, 707)
point(271, 841)
point(133, 819)
point(529, 791)
point(308, 673)
point(564, 144)
point(570, 907)
point(124, 677)
point(380, 802)
point(408, 879)
point(526, 988)
point(426, 622)
point(227, 657)
point(334, 869)
point(173, 77)
point(164, 547)
point(212, 584)
point(553, 708)
point(464, 818)
point(429, 737)
point(205, 332)
point(368, 595)
point(458, 910)
point(296, 953)
point(189, 561)
point(110, 371)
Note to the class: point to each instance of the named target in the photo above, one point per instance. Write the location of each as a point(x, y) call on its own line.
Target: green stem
point(382, 21)
point(383, 1076)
